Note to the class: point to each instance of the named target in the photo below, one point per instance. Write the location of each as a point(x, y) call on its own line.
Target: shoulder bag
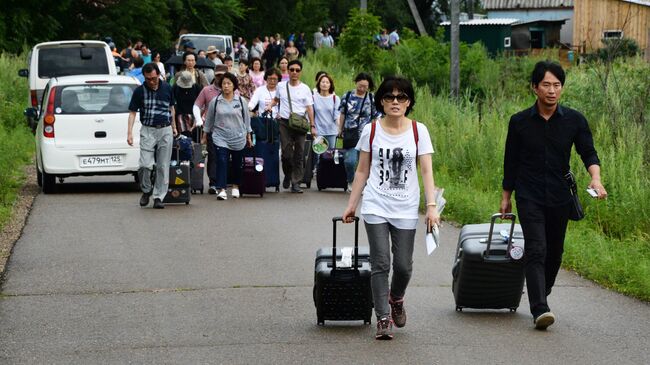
point(297, 122)
point(576, 212)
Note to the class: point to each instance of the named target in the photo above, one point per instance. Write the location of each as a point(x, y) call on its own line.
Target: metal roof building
point(536, 10)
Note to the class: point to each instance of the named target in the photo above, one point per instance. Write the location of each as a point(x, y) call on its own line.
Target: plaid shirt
point(153, 104)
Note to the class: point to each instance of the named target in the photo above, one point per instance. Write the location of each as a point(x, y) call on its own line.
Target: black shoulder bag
point(576, 212)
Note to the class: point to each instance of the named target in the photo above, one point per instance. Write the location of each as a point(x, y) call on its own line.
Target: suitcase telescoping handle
point(356, 241)
point(510, 216)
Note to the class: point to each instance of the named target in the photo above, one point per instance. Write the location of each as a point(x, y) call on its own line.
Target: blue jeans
point(222, 155)
point(351, 159)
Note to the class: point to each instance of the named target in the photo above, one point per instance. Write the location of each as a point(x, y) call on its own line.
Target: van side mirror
point(31, 113)
point(23, 72)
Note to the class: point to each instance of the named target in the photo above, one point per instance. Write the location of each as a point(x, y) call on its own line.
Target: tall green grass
point(16, 140)
point(612, 245)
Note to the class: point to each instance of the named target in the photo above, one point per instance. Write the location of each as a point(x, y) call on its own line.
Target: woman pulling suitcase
point(390, 149)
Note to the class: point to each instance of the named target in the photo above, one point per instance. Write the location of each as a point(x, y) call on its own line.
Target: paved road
point(96, 279)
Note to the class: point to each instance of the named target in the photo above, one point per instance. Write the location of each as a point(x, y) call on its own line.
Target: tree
point(357, 41)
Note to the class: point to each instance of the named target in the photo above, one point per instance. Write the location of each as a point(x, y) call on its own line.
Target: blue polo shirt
point(153, 104)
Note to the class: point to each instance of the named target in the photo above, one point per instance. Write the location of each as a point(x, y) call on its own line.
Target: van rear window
point(64, 61)
point(93, 99)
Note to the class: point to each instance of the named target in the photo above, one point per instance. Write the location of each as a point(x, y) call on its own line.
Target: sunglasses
point(294, 70)
point(401, 98)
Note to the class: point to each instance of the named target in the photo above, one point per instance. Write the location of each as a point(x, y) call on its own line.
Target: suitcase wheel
point(201, 191)
point(459, 309)
point(277, 189)
point(319, 189)
point(308, 184)
point(367, 321)
point(320, 321)
point(513, 310)
point(187, 203)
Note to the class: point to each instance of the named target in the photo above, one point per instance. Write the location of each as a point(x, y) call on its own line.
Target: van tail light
point(48, 119)
point(34, 97)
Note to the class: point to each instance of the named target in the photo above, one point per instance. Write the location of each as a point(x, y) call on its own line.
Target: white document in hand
point(432, 238)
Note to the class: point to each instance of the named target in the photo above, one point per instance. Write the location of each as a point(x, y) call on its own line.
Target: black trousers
point(544, 230)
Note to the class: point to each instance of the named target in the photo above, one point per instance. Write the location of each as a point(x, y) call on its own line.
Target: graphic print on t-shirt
point(395, 165)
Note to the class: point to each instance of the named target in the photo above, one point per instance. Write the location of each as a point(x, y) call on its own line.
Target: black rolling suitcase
point(485, 274)
point(342, 294)
point(179, 190)
point(308, 161)
point(330, 172)
point(197, 168)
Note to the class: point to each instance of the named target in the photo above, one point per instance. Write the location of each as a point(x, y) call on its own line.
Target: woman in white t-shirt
point(262, 100)
point(390, 150)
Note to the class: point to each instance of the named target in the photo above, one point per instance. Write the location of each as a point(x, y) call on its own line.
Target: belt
point(159, 126)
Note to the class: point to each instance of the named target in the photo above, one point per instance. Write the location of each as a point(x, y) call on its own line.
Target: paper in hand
point(432, 238)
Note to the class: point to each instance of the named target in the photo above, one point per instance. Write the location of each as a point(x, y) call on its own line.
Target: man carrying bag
point(296, 120)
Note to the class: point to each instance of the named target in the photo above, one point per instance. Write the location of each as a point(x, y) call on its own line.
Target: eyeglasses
point(271, 79)
point(294, 70)
point(401, 98)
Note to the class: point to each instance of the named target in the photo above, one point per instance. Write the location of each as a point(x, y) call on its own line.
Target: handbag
point(576, 213)
point(297, 122)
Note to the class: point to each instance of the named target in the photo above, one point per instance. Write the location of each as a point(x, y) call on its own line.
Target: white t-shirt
point(392, 190)
point(261, 98)
point(301, 98)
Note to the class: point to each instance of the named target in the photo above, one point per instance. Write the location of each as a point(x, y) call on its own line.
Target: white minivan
point(63, 58)
point(223, 43)
point(82, 128)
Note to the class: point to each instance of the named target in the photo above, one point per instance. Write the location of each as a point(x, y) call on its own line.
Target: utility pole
point(416, 16)
point(470, 9)
point(454, 74)
point(363, 6)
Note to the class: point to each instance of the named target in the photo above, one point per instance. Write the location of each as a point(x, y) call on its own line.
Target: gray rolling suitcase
point(342, 294)
point(197, 168)
point(485, 275)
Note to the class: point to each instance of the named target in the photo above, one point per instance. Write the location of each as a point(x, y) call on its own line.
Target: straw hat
point(211, 49)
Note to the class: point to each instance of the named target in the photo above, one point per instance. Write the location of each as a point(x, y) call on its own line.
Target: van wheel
point(49, 183)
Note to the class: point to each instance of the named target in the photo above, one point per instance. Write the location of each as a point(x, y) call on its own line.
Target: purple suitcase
point(330, 172)
point(253, 182)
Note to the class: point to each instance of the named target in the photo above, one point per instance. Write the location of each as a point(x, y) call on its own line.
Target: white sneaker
point(235, 193)
point(222, 195)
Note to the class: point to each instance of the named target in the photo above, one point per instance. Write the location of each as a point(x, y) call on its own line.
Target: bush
point(617, 48)
point(357, 40)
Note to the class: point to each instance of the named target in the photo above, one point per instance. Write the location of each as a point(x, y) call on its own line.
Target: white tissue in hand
point(432, 239)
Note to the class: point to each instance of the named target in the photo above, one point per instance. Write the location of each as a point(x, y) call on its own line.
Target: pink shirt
point(205, 96)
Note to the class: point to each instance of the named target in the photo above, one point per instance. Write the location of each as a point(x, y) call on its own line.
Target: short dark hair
point(325, 76)
point(151, 66)
point(295, 62)
point(273, 71)
point(138, 62)
point(252, 61)
point(319, 74)
point(364, 76)
point(227, 58)
point(243, 62)
point(230, 77)
point(188, 53)
point(391, 83)
point(542, 67)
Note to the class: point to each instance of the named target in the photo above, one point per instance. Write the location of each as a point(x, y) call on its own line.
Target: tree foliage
point(357, 40)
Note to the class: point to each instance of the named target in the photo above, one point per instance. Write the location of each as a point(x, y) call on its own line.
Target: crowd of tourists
point(383, 150)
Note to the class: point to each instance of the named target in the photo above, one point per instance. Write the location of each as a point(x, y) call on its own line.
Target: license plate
point(100, 161)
